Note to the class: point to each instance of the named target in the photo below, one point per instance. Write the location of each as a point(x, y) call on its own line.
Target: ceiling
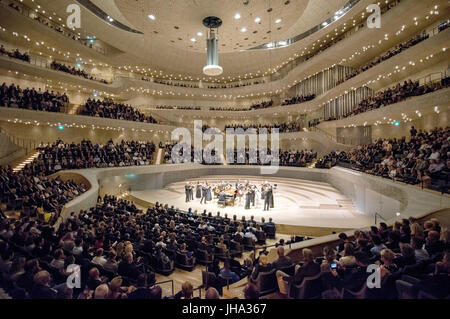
point(167, 40)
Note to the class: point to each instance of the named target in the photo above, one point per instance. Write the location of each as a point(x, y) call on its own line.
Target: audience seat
point(266, 282)
point(204, 258)
point(248, 243)
point(164, 269)
point(270, 232)
point(311, 287)
point(290, 270)
point(183, 262)
point(405, 290)
point(261, 237)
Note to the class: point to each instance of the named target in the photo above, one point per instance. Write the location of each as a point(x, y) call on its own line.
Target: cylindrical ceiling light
point(212, 67)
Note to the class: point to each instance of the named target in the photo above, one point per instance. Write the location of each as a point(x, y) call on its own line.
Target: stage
point(297, 202)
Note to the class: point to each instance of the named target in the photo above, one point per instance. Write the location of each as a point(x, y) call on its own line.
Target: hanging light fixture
point(212, 67)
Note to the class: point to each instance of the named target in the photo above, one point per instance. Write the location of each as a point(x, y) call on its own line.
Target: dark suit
point(282, 262)
point(307, 270)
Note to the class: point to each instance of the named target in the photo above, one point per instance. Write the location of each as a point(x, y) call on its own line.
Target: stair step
point(28, 160)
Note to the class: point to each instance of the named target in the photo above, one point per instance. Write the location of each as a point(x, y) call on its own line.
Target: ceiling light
point(277, 20)
point(243, 30)
point(258, 20)
point(193, 40)
point(199, 34)
point(237, 16)
point(151, 17)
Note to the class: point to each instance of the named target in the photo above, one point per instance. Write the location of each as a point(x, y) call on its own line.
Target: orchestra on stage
point(233, 194)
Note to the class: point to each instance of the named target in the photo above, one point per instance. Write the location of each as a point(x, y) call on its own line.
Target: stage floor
point(297, 202)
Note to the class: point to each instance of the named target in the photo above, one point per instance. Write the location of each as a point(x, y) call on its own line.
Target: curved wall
point(369, 193)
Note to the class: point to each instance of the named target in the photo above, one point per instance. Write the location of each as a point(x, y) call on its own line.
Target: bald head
point(211, 293)
point(101, 292)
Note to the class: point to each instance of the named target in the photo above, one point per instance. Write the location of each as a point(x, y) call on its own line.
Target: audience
point(74, 71)
point(14, 96)
point(16, 54)
point(421, 160)
point(109, 109)
point(60, 156)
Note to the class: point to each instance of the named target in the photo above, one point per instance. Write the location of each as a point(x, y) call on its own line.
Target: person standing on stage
point(204, 191)
point(191, 191)
point(271, 204)
point(186, 190)
point(208, 193)
point(247, 199)
point(266, 199)
point(252, 195)
point(198, 190)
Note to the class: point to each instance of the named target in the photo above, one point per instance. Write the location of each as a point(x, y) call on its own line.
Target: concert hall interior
point(211, 149)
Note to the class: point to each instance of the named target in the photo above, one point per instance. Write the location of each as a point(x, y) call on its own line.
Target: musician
point(198, 190)
point(271, 204)
point(208, 193)
point(191, 191)
point(204, 191)
point(252, 195)
point(266, 199)
point(247, 199)
point(187, 191)
point(222, 197)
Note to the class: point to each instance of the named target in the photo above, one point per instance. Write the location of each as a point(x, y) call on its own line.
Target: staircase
point(28, 160)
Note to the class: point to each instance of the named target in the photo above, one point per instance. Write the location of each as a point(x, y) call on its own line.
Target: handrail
point(199, 288)
point(164, 282)
point(36, 16)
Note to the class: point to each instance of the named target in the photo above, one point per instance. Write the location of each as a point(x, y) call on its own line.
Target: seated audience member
point(348, 257)
point(406, 257)
point(58, 261)
point(41, 288)
point(433, 243)
point(357, 277)
point(111, 263)
point(99, 259)
point(128, 268)
point(261, 266)
point(101, 292)
point(308, 269)
point(187, 291)
point(387, 260)
point(329, 258)
point(419, 252)
point(228, 275)
point(212, 293)
point(94, 279)
point(443, 266)
point(116, 291)
point(282, 261)
point(251, 291)
point(378, 246)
